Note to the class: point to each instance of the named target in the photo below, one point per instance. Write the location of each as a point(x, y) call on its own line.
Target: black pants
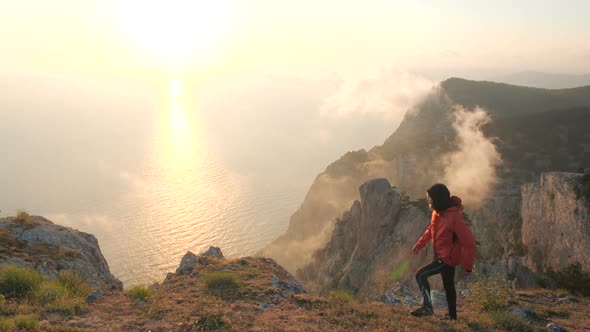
point(448, 277)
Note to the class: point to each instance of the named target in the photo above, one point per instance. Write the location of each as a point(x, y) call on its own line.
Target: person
point(452, 243)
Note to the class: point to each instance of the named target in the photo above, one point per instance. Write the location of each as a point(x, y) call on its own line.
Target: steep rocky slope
point(556, 221)
point(38, 243)
point(368, 244)
point(532, 130)
point(369, 251)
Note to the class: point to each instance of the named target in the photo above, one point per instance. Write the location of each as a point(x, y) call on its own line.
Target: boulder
point(290, 285)
point(439, 300)
point(38, 243)
point(213, 252)
point(398, 295)
point(189, 261)
point(187, 264)
point(525, 313)
point(552, 327)
point(95, 295)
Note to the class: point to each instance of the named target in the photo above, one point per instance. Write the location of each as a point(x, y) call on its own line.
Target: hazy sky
point(131, 37)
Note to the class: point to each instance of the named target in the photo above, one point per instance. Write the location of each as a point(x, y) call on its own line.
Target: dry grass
point(21, 216)
point(186, 303)
point(572, 278)
point(72, 282)
point(340, 296)
point(26, 322)
point(67, 254)
point(31, 298)
point(140, 293)
point(23, 219)
point(491, 294)
point(8, 241)
point(221, 280)
point(18, 282)
point(508, 321)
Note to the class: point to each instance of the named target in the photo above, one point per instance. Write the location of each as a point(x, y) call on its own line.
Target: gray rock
point(265, 305)
point(389, 298)
point(49, 248)
point(524, 313)
point(398, 295)
point(555, 222)
point(94, 296)
point(377, 228)
point(187, 264)
point(232, 267)
point(168, 278)
point(289, 286)
point(552, 327)
point(439, 300)
point(117, 285)
point(462, 292)
point(213, 252)
point(190, 261)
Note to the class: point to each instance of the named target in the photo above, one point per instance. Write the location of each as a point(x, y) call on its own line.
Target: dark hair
point(440, 196)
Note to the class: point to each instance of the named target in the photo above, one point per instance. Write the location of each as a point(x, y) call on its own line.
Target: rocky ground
point(212, 293)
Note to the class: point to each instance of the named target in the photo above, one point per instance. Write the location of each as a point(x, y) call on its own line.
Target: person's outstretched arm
point(423, 241)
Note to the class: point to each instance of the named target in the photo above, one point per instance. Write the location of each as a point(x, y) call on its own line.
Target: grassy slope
point(185, 303)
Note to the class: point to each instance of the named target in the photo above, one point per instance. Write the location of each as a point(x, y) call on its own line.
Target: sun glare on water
point(173, 31)
point(177, 117)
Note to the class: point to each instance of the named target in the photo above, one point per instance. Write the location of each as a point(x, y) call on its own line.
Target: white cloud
point(389, 93)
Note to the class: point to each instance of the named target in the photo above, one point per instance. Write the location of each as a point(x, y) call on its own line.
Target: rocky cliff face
point(370, 247)
point(369, 251)
point(38, 243)
point(534, 131)
point(556, 221)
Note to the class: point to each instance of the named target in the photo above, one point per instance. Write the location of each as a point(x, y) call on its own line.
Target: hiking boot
point(422, 311)
point(447, 317)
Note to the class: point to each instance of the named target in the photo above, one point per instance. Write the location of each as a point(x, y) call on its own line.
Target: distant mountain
point(507, 100)
point(544, 80)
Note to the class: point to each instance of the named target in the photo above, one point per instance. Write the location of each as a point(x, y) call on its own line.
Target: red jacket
point(442, 226)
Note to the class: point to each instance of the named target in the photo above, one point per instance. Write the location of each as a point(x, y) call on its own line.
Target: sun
point(174, 31)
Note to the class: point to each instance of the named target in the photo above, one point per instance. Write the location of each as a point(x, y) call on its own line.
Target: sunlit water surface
point(151, 185)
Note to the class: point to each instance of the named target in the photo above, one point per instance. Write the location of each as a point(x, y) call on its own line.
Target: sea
point(154, 173)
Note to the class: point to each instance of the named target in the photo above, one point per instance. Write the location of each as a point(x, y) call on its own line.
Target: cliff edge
point(33, 241)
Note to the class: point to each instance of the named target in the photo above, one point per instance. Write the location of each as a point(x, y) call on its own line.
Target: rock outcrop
point(36, 242)
point(556, 221)
point(398, 295)
point(368, 254)
point(190, 261)
point(370, 246)
point(282, 282)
